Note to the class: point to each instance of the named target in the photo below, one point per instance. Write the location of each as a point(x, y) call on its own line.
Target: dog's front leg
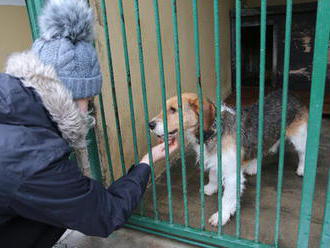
point(212, 186)
point(229, 193)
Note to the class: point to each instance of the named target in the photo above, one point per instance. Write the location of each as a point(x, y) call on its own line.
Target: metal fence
point(186, 233)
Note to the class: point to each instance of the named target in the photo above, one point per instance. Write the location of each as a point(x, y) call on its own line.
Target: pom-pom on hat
point(66, 35)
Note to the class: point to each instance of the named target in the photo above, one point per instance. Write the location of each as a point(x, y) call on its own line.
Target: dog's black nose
point(152, 125)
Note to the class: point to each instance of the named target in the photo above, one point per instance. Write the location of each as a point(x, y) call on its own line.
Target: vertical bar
point(325, 237)
point(93, 156)
point(218, 109)
point(106, 137)
point(238, 117)
point(145, 106)
point(283, 117)
point(320, 61)
point(261, 112)
point(113, 88)
point(179, 93)
point(31, 18)
point(201, 114)
point(129, 89)
point(163, 89)
point(128, 79)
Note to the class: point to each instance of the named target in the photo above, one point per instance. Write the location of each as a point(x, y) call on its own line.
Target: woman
point(42, 192)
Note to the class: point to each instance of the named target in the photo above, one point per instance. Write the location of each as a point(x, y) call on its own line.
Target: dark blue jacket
point(39, 182)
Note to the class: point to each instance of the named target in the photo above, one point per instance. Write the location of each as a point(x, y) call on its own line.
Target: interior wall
point(187, 59)
point(15, 31)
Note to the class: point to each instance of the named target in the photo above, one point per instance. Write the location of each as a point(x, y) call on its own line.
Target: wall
point(15, 31)
point(185, 22)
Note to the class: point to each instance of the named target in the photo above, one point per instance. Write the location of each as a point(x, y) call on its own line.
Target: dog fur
point(296, 133)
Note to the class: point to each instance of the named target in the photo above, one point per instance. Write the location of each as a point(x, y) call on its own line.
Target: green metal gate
point(185, 233)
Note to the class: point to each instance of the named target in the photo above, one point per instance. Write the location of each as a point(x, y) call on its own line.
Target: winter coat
point(39, 123)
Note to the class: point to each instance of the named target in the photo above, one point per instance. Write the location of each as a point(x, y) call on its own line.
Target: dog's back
point(272, 121)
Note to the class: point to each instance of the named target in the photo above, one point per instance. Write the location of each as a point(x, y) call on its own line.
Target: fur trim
point(72, 19)
point(72, 123)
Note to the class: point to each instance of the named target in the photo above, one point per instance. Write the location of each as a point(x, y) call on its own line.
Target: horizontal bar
point(175, 230)
point(179, 97)
point(283, 118)
point(184, 240)
point(320, 61)
point(263, 17)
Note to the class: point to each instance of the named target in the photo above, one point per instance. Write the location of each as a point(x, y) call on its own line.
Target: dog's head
point(191, 112)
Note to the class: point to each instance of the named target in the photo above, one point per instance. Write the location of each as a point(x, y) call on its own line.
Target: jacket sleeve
point(61, 196)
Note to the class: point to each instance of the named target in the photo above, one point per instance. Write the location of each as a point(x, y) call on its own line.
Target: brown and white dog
point(296, 133)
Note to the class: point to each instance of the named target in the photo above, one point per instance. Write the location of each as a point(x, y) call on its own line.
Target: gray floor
point(290, 209)
point(123, 238)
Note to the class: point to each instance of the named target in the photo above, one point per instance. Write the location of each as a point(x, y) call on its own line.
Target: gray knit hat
point(66, 35)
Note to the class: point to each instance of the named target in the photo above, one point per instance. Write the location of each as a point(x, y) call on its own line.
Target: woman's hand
point(158, 151)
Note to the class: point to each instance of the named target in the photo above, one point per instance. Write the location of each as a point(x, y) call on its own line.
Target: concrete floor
point(292, 185)
point(123, 238)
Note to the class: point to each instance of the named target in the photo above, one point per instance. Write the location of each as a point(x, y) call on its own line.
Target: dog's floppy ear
point(209, 114)
point(208, 110)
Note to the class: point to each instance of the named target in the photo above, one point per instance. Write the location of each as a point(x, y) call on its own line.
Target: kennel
point(136, 28)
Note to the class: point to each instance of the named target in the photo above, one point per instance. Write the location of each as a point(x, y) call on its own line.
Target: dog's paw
point(210, 189)
point(251, 170)
point(214, 219)
point(300, 171)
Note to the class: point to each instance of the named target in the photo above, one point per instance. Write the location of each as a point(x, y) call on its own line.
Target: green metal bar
point(163, 89)
point(31, 18)
point(129, 81)
point(93, 156)
point(176, 231)
point(325, 237)
point(145, 106)
point(201, 114)
point(238, 118)
point(261, 111)
point(218, 109)
point(106, 137)
point(129, 89)
point(184, 240)
point(38, 5)
point(112, 82)
point(283, 117)
point(179, 96)
point(320, 61)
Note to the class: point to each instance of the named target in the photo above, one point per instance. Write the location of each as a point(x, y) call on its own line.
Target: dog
point(296, 133)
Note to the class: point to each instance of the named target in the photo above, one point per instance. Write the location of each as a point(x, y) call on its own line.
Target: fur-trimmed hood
point(71, 122)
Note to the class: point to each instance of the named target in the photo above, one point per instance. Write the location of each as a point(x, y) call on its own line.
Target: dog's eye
point(172, 110)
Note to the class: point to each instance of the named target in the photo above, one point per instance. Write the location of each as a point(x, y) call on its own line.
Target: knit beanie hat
point(66, 36)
